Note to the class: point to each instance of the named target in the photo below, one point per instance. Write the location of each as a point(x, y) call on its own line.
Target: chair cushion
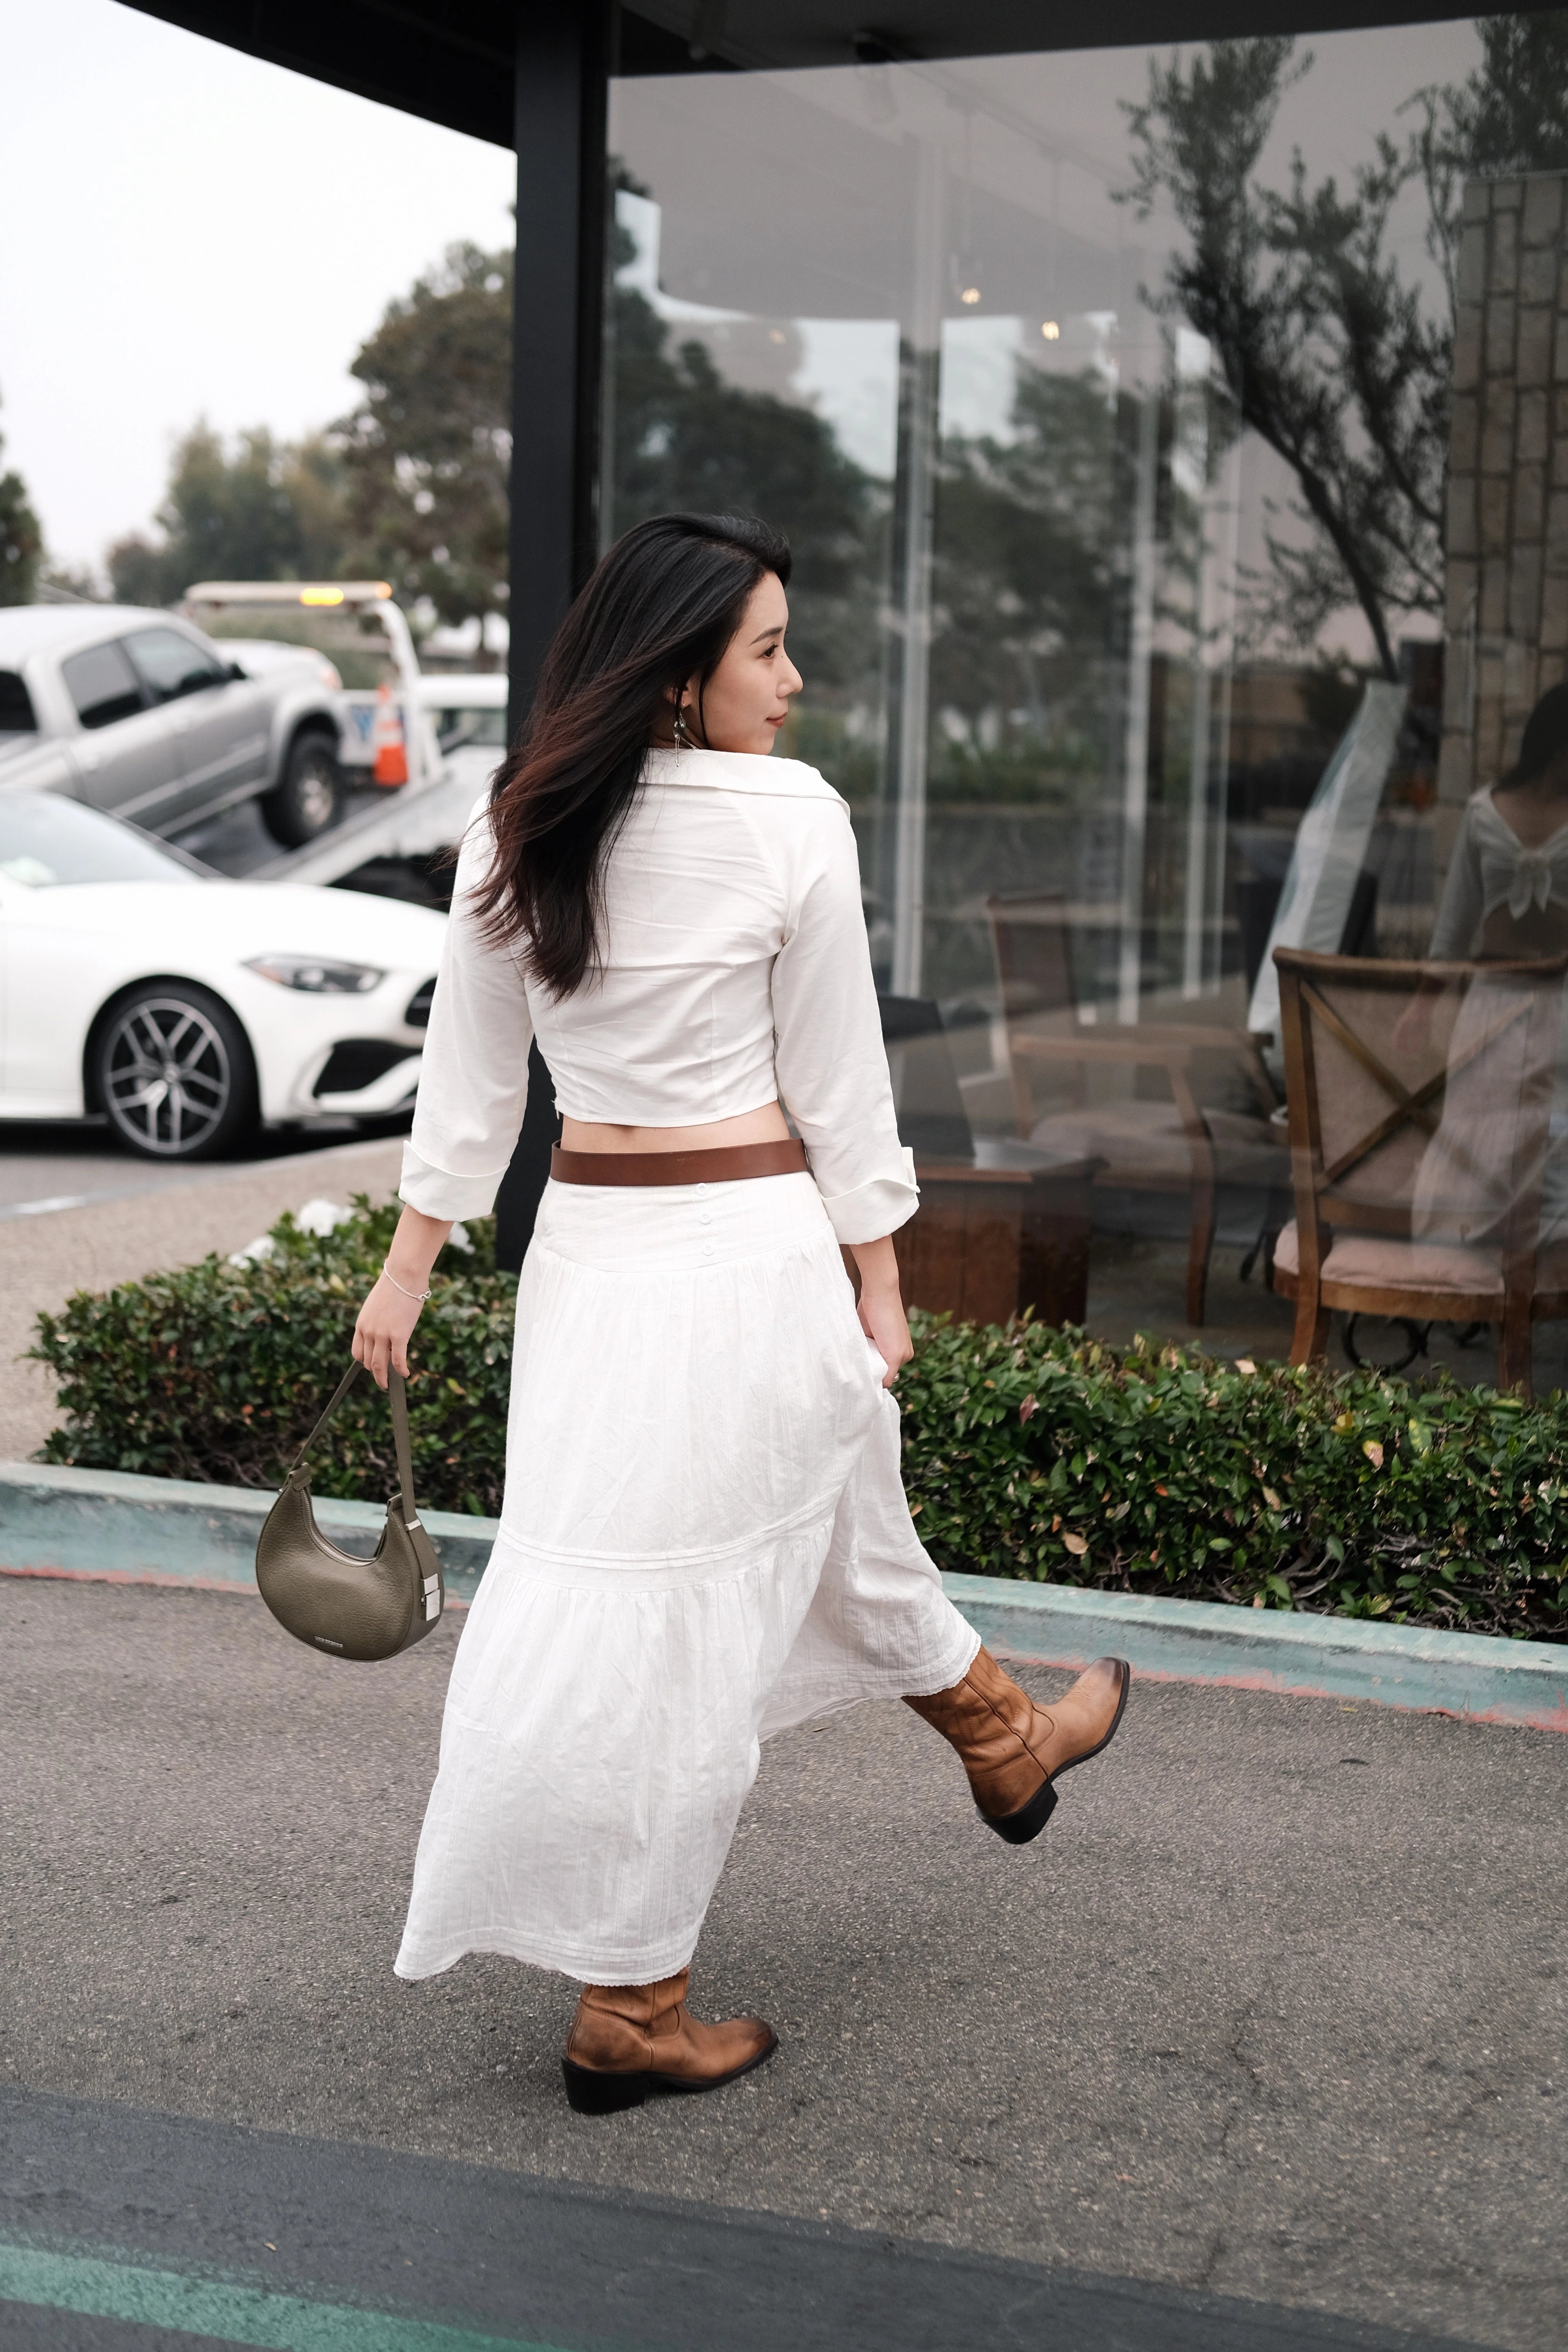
point(1383, 1262)
point(1145, 1143)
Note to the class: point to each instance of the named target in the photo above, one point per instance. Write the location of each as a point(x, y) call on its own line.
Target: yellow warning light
point(1050, 329)
point(321, 595)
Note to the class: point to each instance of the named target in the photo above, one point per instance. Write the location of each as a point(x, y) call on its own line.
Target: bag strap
point(398, 1399)
point(400, 1442)
point(349, 1378)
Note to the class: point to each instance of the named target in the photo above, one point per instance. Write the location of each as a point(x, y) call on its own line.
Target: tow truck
point(388, 846)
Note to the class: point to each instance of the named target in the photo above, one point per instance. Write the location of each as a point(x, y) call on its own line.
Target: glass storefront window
point(1086, 623)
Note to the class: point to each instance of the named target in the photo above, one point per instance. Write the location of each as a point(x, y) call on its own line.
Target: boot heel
point(1028, 1820)
point(590, 2092)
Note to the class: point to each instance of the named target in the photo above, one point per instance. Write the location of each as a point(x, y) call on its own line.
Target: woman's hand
point(881, 1308)
point(386, 1319)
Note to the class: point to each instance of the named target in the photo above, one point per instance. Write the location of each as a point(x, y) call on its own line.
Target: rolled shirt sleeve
point(831, 1061)
point(473, 1080)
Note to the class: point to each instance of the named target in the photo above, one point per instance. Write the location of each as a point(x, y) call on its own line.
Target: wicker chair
point(1174, 1145)
point(1420, 1106)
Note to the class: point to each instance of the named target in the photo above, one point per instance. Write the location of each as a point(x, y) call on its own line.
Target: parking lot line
point(55, 1201)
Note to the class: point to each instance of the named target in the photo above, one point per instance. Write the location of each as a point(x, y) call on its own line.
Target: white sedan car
point(186, 1008)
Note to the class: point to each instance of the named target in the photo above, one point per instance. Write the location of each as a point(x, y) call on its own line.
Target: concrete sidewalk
point(1275, 2009)
point(43, 1259)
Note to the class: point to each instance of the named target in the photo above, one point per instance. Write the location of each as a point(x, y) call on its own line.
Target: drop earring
point(682, 739)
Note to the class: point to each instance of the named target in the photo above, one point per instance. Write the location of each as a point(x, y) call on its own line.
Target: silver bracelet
point(419, 1296)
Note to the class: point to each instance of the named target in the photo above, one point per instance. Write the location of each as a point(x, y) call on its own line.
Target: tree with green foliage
point(683, 437)
point(428, 454)
point(258, 510)
point(1325, 347)
point(1026, 585)
point(21, 540)
point(1324, 350)
point(1509, 115)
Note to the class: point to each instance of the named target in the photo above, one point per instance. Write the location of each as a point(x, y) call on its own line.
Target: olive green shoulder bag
point(350, 1608)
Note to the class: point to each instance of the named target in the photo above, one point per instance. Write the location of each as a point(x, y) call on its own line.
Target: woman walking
point(704, 1537)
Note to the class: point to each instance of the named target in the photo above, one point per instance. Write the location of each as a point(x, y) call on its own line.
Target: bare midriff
point(767, 1125)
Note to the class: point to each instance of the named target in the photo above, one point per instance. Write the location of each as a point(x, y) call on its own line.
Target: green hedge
point(1044, 1453)
point(217, 1371)
point(1028, 1452)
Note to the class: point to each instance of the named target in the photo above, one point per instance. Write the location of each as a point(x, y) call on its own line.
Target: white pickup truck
point(141, 714)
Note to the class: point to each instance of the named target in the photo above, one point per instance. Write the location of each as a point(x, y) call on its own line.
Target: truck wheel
point(174, 1069)
point(309, 797)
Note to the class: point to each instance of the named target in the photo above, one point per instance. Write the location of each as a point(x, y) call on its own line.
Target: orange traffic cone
point(386, 741)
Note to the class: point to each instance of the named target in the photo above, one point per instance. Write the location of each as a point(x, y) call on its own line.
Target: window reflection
point(1102, 619)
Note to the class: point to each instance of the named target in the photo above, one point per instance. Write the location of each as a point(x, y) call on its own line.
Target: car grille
point(358, 1062)
point(417, 1014)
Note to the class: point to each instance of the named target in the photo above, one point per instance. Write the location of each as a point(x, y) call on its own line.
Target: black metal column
point(562, 68)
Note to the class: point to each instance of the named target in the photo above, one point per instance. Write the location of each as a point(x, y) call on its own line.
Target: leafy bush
point(218, 1371)
point(1043, 1454)
point(1028, 1452)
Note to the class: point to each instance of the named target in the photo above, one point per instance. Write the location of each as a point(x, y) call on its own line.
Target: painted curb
point(110, 1525)
point(1472, 1675)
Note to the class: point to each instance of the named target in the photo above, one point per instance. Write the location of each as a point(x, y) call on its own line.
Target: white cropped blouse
point(1491, 867)
point(735, 972)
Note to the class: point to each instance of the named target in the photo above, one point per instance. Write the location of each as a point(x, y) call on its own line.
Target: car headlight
point(316, 976)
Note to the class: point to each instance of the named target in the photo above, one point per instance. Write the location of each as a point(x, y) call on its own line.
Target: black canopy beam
point(451, 60)
point(449, 64)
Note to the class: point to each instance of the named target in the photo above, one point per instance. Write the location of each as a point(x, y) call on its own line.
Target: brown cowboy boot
point(628, 2039)
point(1014, 1751)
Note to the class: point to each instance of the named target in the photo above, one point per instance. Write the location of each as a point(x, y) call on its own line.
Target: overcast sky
point(187, 233)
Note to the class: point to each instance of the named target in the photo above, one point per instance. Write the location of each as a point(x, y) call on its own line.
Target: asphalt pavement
point(49, 1165)
point(1264, 2043)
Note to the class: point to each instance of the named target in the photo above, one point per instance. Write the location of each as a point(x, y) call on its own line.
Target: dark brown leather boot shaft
point(1013, 1751)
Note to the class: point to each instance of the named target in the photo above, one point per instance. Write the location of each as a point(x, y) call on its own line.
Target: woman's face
point(746, 700)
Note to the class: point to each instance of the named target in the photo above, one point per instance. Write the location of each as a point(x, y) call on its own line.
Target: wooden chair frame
point(1322, 1207)
point(1174, 1049)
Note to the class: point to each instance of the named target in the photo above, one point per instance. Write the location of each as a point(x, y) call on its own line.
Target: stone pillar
point(1507, 590)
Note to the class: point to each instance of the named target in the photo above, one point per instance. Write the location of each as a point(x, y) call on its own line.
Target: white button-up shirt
point(735, 972)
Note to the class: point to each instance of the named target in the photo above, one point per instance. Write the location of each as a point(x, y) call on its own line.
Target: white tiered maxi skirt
point(704, 1540)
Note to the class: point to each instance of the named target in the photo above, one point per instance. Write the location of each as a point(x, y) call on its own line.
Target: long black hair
point(659, 609)
point(1544, 740)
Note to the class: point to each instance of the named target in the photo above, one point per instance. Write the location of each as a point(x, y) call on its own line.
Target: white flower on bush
point(322, 1217)
point(319, 1218)
point(256, 1253)
point(460, 1238)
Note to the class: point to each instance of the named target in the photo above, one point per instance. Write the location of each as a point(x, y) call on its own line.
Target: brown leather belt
point(725, 1164)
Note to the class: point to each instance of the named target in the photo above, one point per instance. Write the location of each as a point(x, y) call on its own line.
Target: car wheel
point(172, 1070)
point(308, 797)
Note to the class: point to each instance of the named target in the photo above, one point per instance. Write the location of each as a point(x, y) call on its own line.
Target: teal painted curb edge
point(1473, 1674)
point(112, 1524)
point(223, 2311)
